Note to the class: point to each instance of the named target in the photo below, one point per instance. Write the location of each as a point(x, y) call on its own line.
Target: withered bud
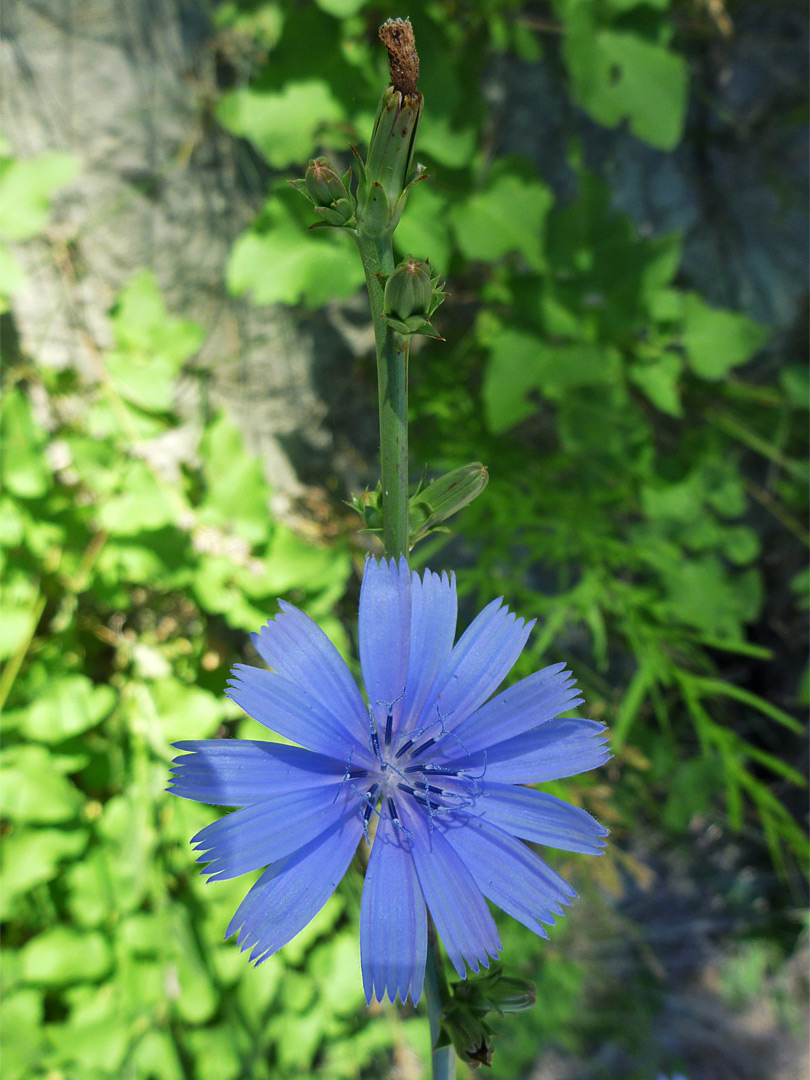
point(403, 61)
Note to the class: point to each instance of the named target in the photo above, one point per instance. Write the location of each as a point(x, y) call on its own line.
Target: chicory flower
point(429, 771)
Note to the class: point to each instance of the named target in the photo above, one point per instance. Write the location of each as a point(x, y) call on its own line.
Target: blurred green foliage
point(625, 437)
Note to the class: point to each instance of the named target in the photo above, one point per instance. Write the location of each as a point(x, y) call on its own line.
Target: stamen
point(404, 749)
point(421, 749)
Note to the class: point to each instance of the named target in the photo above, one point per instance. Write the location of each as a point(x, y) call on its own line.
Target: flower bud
point(328, 192)
point(323, 184)
point(369, 507)
point(442, 498)
point(411, 297)
point(389, 170)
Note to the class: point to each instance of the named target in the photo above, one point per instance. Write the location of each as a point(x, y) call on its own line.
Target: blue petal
point(384, 632)
point(393, 920)
point(556, 749)
point(264, 832)
point(434, 608)
point(540, 817)
point(483, 656)
point(461, 915)
point(292, 891)
point(238, 772)
point(296, 648)
point(291, 711)
point(509, 874)
point(531, 702)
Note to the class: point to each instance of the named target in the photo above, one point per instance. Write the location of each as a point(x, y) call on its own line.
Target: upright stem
point(436, 993)
point(392, 378)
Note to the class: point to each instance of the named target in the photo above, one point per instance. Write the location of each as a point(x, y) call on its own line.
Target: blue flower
point(432, 766)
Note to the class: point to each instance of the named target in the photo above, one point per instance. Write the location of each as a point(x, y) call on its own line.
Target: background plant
point(649, 449)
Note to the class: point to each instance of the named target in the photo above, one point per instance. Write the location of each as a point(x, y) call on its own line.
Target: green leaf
point(279, 262)
point(198, 996)
point(236, 493)
point(91, 896)
point(451, 146)
point(25, 471)
point(217, 1057)
point(186, 712)
point(423, 230)
point(523, 364)
point(658, 381)
point(32, 788)
point(32, 856)
point(12, 276)
point(703, 595)
point(152, 345)
point(23, 1034)
point(26, 189)
point(341, 9)
point(508, 215)
point(21, 608)
point(716, 341)
point(145, 503)
point(70, 705)
point(282, 125)
point(61, 956)
point(612, 73)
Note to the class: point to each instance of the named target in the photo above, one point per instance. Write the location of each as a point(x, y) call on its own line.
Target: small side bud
point(411, 297)
point(369, 507)
point(328, 192)
point(430, 506)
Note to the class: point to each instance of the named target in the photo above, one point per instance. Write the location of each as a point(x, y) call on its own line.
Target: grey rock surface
point(126, 85)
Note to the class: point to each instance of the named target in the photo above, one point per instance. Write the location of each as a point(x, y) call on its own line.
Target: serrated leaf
point(424, 229)
point(153, 345)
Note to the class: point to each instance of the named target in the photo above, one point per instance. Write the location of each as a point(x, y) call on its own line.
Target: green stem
point(392, 378)
point(437, 994)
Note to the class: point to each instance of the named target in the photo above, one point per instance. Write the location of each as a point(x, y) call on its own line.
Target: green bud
point(470, 1035)
point(390, 169)
point(328, 192)
point(411, 298)
point(463, 1019)
point(369, 507)
point(442, 498)
point(496, 992)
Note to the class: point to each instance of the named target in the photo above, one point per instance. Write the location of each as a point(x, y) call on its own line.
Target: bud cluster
point(463, 1021)
point(384, 179)
point(431, 504)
